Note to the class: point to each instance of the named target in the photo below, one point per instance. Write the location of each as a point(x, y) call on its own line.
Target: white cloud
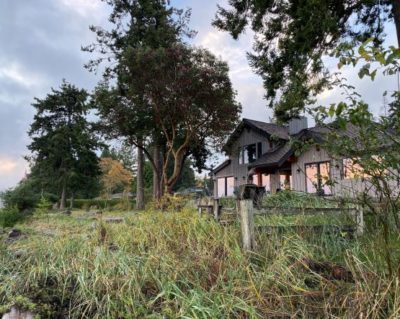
point(83, 7)
point(7, 166)
point(12, 170)
point(16, 73)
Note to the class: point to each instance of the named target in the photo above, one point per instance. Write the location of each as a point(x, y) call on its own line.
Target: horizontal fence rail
point(246, 212)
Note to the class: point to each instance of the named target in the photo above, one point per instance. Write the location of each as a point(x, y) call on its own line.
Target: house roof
point(221, 166)
point(274, 158)
point(266, 129)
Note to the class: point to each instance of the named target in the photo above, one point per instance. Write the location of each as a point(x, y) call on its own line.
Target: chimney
point(297, 124)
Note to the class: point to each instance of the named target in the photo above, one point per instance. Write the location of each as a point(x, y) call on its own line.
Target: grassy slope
point(175, 265)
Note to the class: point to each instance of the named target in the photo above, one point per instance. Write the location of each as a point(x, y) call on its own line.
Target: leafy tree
point(114, 177)
point(136, 24)
point(375, 148)
point(191, 100)
point(63, 144)
point(293, 36)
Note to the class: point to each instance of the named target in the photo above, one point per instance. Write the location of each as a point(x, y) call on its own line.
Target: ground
point(178, 265)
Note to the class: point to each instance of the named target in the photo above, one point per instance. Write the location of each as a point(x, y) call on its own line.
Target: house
point(261, 153)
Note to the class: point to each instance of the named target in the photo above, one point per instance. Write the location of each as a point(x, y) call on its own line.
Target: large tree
point(63, 144)
point(293, 36)
point(136, 24)
point(191, 100)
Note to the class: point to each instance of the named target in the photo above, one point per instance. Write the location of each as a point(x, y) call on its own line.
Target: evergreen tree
point(63, 144)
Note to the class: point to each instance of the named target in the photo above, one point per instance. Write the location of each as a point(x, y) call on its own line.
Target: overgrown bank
point(175, 265)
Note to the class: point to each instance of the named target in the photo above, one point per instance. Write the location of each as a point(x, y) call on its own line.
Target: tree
point(191, 100)
point(374, 146)
point(63, 144)
point(114, 177)
point(292, 37)
point(136, 24)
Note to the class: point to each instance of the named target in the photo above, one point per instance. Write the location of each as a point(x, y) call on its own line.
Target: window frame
point(242, 150)
point(319, 177)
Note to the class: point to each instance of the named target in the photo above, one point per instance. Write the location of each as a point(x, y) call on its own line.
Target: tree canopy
point(292, 37)
point(63, 144)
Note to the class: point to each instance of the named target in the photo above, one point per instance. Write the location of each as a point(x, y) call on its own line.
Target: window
point(351, 169)
point(240, 156)
point(285, 181)
point(266, 182)
point(225, 186)
point(249, 153)
point(317, 178)
point(230, 186)
point(221, 187)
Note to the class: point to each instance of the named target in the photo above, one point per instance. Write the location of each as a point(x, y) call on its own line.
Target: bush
point(25, 196)
point(10, 216)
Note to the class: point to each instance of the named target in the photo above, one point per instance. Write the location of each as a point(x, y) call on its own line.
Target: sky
point(41, 45)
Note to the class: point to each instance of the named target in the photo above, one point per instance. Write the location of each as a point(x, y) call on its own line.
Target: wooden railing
point(246, 211)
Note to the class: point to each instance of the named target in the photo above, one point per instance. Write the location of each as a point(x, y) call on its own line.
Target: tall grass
point(177, 265)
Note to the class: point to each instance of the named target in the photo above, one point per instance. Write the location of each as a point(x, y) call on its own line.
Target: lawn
point(177, 265)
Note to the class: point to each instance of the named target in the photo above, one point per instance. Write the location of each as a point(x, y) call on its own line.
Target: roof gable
point(266, 129)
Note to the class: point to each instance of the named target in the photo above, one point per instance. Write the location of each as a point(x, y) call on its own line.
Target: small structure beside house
point(262, 154)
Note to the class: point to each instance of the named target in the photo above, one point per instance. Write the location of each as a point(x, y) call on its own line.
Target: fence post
point(216, 209)
point(358, 217)
point(247, 224)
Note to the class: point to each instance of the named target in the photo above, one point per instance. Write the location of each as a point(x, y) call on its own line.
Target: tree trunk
point(169, 182)
point(157, 180)
point(140, 180)
point(63, 195)
point(396, 18)
point(71, 204)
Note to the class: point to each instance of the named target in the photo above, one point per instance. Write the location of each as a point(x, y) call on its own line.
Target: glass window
point(225, 186)
point(259, 149)
point(351, 169)
point(230, 186)
point(221, 187)
point(286, 181)
point(266, 182)
point(254, 179)
point(250, 153)
point(311, 178)
point(240, 156)
point(318, 177)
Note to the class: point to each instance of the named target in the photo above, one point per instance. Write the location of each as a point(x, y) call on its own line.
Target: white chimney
point(297, 124)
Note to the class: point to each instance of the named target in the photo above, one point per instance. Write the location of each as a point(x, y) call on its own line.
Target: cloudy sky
point(41, 45)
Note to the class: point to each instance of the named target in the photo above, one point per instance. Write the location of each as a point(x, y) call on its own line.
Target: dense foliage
point(63, 144)
point(293, 37)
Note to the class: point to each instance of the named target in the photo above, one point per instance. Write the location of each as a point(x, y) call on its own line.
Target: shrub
point(10, 216)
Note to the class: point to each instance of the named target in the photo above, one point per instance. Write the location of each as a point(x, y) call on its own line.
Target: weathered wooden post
point(358, 217)
point(216, 209)
point(247, 224)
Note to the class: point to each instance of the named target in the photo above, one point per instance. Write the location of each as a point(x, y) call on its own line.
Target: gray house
point(260, 153)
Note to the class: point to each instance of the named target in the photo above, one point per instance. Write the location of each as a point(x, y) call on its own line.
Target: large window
point(249, 153)
point(318, 177)
point(225, 186)
point(351, 169)
point(262, 180)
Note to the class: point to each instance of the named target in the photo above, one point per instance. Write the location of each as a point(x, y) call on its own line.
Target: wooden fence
point(246, 211)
